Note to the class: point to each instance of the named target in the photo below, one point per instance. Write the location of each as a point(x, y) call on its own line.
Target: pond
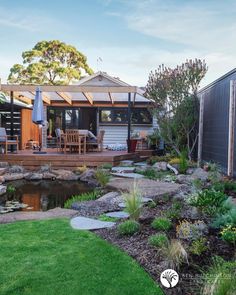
point(42, 195)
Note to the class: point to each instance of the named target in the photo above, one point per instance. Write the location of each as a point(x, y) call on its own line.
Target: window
point(120, 116)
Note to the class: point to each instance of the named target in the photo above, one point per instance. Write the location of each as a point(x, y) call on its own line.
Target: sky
point(132, 37)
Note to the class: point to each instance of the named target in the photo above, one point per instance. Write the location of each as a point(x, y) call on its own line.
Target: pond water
point(43, 195)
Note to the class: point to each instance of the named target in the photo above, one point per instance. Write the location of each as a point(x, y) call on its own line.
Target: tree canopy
point(51, 63)
point(175, 103)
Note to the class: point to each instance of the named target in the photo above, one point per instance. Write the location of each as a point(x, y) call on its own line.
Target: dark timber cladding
point(216, 110)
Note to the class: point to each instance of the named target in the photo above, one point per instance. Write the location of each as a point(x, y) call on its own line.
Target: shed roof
point(99, 89)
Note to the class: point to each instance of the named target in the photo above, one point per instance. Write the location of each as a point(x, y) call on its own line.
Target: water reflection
point(43, 195)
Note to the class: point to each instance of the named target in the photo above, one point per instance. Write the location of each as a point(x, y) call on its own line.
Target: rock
point(141, 164)
point(185, 179)
point(190, 171)
point(118, 214)
point(16, 169)
point(201, 174)
point(3, 171)
point(84, 223)
point(173, 169)
point(148, 187)
point(128, 175)
point(3, 189)
point(65, 175)
point(33, 176)
point(4, 164)
point(48, 175)
point(87, 175)
point(2, 179)
point(108, 197)
point(126, 163)
point(160, 166)
point(119, 169)
point(13, 176)
point(93, 208)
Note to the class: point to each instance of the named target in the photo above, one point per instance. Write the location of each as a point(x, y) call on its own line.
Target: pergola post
point(12, 113)
point(129, 121)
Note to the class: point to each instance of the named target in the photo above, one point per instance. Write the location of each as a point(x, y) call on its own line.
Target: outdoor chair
point(7, 140)
point(97, 142)
point(74, 141)
point(142, 141)
point(60, 137)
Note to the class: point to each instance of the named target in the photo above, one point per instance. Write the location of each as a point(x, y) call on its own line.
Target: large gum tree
point(51, 63)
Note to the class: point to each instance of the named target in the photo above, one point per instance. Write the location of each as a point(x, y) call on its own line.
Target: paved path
point(149, 188)
point(53, 213)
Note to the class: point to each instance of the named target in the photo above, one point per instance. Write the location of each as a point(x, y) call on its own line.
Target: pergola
point(79, 96)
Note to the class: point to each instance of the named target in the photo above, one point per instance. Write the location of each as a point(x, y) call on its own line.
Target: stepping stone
point(85, 223)
point(144, 200)
point(119, 169)
point(128, 175)
point(141, 164)
point(118, 214)
point(126, 163)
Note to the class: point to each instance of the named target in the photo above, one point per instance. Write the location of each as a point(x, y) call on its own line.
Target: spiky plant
point(133, 202)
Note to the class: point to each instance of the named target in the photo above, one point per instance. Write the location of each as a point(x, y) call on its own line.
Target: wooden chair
point(7, 140)
point(97, 142)
point(74, 140)
point(60, 136)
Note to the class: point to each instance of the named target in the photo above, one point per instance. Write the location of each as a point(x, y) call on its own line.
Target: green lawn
point(49, 257)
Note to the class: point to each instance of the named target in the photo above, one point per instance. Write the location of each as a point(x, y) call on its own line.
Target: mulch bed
point(150, 259)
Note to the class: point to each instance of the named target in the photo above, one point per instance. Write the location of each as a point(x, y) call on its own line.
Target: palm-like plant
point(133, 202)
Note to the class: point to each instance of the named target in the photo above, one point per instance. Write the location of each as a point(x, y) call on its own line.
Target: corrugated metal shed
point(216, 97)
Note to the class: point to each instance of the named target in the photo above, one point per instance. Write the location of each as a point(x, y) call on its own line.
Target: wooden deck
point(57, 160)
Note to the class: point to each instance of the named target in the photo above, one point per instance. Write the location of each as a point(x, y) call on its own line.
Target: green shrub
point(133, 202)
point(151, 173)
point(220, 278)
point(198, 246)
point(175, 211)
point(230, 186)
point(161, 223)
point(183, 163)
point(228, 234)
point(128, 227)
point(188, 230)
point(102, 177)
point(93, 195)
point(107, 166)
point(152, 160)
point(209, 201)
point(11, 189)
point(214, 174)
point(158, 240)
point(229, 218)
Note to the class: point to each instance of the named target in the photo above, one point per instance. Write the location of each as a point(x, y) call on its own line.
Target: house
point(96, 102)
point(217, 123)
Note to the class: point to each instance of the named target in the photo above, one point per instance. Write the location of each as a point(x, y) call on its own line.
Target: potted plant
point(154, 139)
point(132, 143)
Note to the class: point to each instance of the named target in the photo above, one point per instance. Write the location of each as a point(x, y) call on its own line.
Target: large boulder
point(3, 189)
point(4, 164)
point(201, 174)
point(33, 176)
point(88, 176)
point(16, 169)
point(65, 175)
point(2, 179)
point(13, 176)
point(3, 171)
point(49, 176)
point(160, 166)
